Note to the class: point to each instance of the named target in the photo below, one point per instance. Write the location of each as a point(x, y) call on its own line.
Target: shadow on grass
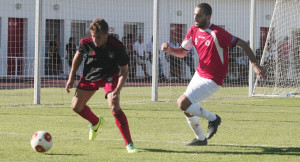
point(244, 150)
point(61, 154)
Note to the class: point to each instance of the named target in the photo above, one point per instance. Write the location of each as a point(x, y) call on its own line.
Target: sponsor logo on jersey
point(109, 80)
point(207, 42)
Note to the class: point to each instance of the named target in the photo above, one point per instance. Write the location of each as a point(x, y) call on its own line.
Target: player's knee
point(115, 101)
point(76, 108)
point(180, 104)
point(75, 105)
point(183, 103)
point(114, 108)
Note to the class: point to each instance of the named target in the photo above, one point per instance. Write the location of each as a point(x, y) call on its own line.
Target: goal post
point(37, 53)
point(34, 47)
point(281, 53)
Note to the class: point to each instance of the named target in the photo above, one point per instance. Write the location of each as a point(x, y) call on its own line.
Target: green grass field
point(252, 129)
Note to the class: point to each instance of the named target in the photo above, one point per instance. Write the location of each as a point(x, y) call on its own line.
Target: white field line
point(152, 141)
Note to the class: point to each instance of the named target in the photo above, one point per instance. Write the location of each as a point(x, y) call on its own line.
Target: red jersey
point(212, 46)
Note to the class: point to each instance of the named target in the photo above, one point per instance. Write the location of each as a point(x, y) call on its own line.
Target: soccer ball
point(41, 141)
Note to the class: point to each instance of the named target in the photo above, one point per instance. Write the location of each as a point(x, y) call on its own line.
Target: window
point(133, 29)
point(79, 29)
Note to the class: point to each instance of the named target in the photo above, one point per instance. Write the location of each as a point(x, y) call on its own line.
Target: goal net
point(281, 54)
point(65, 21)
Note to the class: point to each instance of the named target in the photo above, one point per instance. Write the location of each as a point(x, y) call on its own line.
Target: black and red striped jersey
point(102, 62)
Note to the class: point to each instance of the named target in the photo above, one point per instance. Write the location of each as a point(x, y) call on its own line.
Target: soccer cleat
point(93, 129)
point(213, 127)
point(131, 149)
point(197, 142)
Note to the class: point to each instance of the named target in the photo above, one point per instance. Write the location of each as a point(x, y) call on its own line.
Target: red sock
point(87, 114)
point(122, 124)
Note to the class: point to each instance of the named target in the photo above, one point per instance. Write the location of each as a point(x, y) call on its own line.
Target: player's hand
point(260, 71)
point(69, 84)
point(165, 47)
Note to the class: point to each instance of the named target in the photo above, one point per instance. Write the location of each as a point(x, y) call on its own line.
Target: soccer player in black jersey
point(106, 66)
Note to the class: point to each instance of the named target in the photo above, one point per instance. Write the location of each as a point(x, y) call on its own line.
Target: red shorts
point(109, 84)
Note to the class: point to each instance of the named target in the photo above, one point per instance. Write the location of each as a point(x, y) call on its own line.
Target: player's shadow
point(248, 150)
point(61, 154)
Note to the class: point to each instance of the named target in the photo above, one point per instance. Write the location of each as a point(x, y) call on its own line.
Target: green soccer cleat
point(93, 129)
point(131, 149)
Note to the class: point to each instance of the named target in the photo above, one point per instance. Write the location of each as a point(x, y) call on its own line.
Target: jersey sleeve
point(227, 39)
point(83, 49)
point(187, 43)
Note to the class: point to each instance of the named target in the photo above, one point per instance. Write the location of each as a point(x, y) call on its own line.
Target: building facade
point(126, 18)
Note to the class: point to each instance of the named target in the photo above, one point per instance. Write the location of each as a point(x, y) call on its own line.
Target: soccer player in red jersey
point(106, 66)
point(212, 43)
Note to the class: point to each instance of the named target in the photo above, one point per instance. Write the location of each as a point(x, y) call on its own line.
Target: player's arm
point(177, 52)
point(122, 78)
point(260, 72)
point(78, 57)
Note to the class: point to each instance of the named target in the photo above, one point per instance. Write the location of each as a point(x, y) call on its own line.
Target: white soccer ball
point(41, 141)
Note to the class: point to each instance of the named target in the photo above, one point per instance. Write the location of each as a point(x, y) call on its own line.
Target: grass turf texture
point(129, 95)
point(252, 129)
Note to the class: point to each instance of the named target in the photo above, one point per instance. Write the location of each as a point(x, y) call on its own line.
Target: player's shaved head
point(99, 26)
point(206, 8)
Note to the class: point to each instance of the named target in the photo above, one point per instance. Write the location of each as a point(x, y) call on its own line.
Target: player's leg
point(82, 95)
point(120, 117)
point(195, 109)
point(187, 106)
point(194, 123)
point(121, 120)
point(198, 90)
point(79, 105)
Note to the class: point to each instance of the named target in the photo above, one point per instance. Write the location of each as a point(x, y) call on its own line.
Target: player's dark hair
point(99, 25)
point(206, 8)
